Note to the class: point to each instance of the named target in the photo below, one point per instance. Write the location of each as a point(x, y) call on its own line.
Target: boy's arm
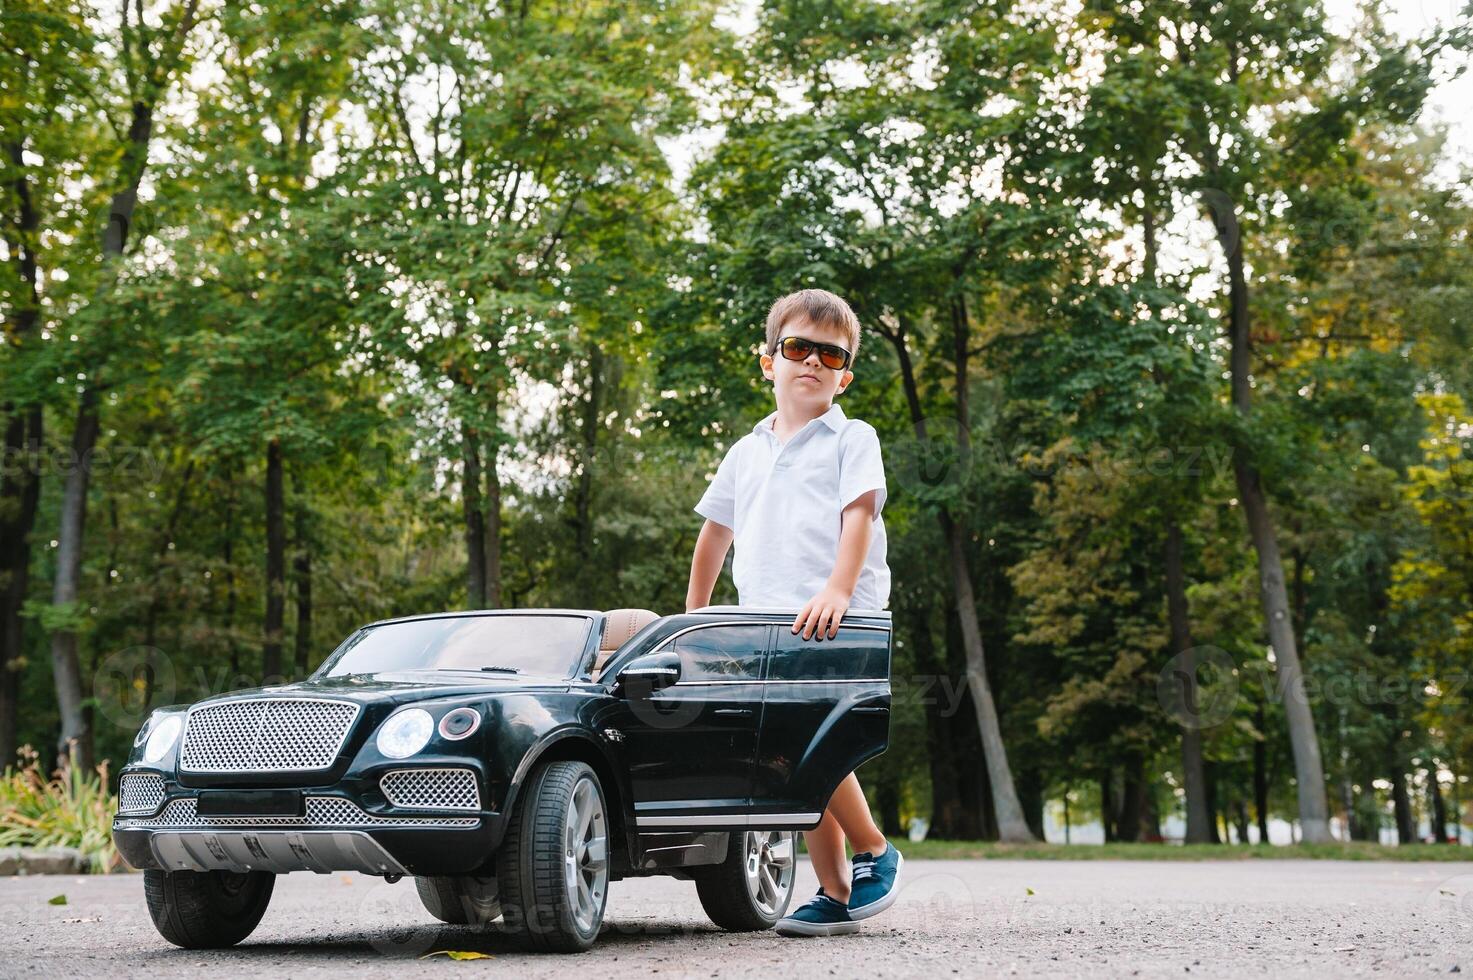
point(706, 562)
point(825, 610)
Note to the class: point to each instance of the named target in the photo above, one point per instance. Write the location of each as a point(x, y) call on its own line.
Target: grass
point(69, 808)
point(1356, 851)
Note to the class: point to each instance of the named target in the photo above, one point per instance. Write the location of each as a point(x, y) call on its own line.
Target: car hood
point(403, 686)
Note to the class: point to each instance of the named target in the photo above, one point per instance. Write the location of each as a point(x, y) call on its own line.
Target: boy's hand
point(823, 612)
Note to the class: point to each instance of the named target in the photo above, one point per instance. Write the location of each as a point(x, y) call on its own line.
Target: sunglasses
point(798, 349)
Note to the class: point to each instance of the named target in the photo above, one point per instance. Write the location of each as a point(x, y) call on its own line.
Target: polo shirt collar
point(833, 418)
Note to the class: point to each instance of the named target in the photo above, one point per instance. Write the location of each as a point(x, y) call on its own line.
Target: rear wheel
point(207, 909)
point(553, 865)
point(751, 889)
point(460, 899)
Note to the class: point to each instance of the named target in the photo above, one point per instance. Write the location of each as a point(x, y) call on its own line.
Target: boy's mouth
point(808, 377)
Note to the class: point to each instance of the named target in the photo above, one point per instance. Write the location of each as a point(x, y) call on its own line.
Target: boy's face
point(807, 384)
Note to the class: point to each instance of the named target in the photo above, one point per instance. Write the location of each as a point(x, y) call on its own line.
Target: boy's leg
point(872, 886)
point(850, 809)
point(826, 851)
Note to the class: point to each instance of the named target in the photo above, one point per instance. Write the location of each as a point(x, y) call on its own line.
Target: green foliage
point(70, 808)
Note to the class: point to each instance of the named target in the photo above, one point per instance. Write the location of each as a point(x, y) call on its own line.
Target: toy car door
point(690, 746)
point(826, 709)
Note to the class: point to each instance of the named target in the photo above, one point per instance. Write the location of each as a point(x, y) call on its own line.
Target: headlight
point(143, 732)
point(162, 738)
point(405, 733)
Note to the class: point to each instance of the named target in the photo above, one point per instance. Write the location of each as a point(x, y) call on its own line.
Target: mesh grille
point(432, 789)
point(266, 735)
point(322, 811)
point(140, 793)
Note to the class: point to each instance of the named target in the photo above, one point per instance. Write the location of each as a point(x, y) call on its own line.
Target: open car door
point(826, 709)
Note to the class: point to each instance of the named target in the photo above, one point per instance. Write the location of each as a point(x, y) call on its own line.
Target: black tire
point(537, 908)
point(207, 909)
point(724, 890)
point(460, 900)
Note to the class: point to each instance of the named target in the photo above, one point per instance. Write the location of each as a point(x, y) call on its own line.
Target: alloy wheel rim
point(770, 868)
point(586, 855)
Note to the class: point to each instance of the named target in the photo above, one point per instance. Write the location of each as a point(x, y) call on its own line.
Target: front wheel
point(750, 890)
point(553, 865)
point(207, 909)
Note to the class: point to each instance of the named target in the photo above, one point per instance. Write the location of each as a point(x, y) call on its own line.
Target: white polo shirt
point(783, 503)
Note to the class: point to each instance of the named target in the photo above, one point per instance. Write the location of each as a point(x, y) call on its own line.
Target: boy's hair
point(818, 306)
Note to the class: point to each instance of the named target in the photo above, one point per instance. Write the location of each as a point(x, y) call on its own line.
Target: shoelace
point(863, 870)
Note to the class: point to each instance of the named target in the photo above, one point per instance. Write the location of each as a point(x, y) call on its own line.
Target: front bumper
point(334, 833)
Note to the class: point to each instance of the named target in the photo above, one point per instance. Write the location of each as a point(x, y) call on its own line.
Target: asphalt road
point(1055, 918)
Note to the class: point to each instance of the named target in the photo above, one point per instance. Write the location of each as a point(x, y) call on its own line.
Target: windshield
point(500, 645)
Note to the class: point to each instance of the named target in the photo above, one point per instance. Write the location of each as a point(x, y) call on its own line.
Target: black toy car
point(514, 762)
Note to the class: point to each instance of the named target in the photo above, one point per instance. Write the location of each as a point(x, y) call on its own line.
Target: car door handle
point(734, 712)
point(871, 709)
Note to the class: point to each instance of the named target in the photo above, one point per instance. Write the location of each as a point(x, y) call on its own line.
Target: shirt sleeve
point(718, 503)
point(861, 468)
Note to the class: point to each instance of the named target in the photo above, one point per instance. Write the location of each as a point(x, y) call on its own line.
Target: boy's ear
point(766, 361)
point(846, 381)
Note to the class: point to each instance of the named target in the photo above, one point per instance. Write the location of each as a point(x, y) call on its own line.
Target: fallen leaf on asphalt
point(458, 954)
point(1030, 891)
point(58, 900)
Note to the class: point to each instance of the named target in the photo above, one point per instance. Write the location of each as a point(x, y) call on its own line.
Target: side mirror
point(644, 675)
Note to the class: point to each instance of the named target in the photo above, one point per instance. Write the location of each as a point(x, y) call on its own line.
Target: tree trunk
point(1401, 801)
point(275, 564)
point(475, 527)
point(1181, 645)
point(1438, 808)
point(1012, 826)
point(302, 572)
point(1209, 783)
point(887, 793)
point(75, 740)
point(228, 556)
point(20, 474)
point(1007, 810)
point(1260, 773)
point(1309, 770)
point(939, 753)
point(20, 496)
point(1109, 823)
point(1128, 828)
point(493, 530)
point(583, 497)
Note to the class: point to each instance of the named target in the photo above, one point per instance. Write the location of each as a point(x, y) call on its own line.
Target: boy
point(800, 496)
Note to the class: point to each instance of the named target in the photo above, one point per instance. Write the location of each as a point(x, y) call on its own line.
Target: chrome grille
point(322, 811)
point(266, 735)
point(140, 793)
point(432, 789)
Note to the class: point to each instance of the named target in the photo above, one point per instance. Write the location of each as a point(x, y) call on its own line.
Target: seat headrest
point(621, 624)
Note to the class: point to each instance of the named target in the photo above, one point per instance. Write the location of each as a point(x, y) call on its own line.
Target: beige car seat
point(619, 626)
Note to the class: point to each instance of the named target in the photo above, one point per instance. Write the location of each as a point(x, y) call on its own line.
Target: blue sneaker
point(872, 889)
point(822, 916)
